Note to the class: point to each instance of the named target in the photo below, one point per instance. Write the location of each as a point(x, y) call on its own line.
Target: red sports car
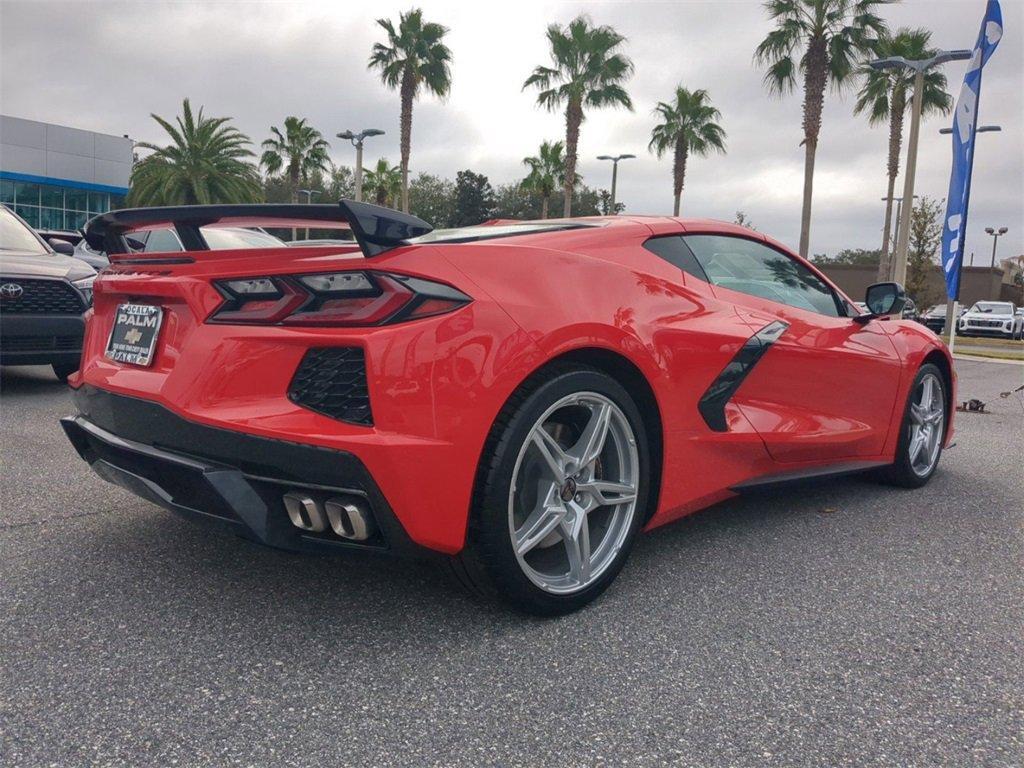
point(517, 399)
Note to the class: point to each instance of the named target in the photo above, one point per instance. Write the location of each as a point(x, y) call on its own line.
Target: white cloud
point(106, 66)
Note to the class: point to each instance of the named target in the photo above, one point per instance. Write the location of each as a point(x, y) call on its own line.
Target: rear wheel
point(561, 494)
point(922, 431)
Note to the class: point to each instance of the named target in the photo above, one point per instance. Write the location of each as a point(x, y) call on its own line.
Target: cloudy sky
point(106, 66)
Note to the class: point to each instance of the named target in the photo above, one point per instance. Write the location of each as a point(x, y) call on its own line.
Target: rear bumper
point(230, 480)
point(40, 339)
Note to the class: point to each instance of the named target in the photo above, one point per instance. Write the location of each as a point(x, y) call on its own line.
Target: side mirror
point(883, 299)
point(61, 246)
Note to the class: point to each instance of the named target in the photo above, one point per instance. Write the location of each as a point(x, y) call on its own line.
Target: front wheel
point(922, 431)
point(561, 494)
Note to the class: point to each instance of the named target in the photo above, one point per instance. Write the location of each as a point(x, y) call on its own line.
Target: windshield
point(16, 236)
point(993, 308)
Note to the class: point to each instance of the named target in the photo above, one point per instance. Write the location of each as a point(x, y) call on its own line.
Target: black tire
point(901, 471)
point(63, 370)
point(488, 565)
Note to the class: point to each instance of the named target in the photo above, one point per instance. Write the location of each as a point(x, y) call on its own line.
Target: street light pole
point(615, 173)
point(996, 234)
point(357, 142)
point(896, 229)
point(920, 66)
point(309, 199)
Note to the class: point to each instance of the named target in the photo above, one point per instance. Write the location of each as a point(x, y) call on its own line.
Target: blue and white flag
point(965, 123)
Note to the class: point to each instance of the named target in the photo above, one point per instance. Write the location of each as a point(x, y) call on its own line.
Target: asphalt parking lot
point(836, 624)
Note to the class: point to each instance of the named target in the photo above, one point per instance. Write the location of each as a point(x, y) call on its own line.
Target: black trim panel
point(376, 229)
point(221, 475)
point(800, 475)
point(712, 402)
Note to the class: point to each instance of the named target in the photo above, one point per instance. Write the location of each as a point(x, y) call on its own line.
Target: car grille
point(41, 343)
point(332, 381)
point(39, 297)
point(984, 323)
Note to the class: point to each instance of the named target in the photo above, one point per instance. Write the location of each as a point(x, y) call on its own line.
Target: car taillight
point(336, 298)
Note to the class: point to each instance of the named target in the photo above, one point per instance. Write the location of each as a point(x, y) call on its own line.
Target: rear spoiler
point(376, 229)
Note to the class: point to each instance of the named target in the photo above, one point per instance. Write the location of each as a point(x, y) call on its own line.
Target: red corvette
point(518, 399)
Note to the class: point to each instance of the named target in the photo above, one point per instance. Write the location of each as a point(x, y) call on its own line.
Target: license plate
point(133, 339)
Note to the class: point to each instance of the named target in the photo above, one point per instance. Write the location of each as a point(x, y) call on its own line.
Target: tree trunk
point(408, 92)
point(293, 180)
point(544, 206)
point(573, 118)
point(897, 104)
point(678, 172)
point(815, 80)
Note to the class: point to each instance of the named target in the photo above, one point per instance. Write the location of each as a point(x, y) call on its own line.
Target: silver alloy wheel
point(927, 424)
point(574, 491)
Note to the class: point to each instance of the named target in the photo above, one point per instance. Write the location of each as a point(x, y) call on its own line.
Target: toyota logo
point(11, 290)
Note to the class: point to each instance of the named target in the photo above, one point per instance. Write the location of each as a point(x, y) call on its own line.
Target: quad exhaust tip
point(348, 518)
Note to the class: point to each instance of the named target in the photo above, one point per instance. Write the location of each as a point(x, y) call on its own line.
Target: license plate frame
point(134, 334)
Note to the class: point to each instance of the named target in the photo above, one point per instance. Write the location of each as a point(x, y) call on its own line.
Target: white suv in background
point(991, 318)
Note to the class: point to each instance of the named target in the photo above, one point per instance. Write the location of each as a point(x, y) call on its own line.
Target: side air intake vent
point(332, 381)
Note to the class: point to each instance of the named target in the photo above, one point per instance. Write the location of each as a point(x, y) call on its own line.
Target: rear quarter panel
point(621, 298)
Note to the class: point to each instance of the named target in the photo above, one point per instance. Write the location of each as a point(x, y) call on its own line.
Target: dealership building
point(57, 177)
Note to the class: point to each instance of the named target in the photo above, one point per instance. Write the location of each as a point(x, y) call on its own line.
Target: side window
point(162, 241)
point(672, 249)
point(754, 268)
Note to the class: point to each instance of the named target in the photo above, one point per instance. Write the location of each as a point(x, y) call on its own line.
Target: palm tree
point(300, 150)
point(385, 182)
point(588, 71)
point(688, 127)
point(414, 57)
point(819, 40)
point(547, 173)
point(206, 162)
point(885, 96)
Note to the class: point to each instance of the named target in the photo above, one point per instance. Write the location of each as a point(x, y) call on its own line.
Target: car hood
point(988, 316)
point(24, 264)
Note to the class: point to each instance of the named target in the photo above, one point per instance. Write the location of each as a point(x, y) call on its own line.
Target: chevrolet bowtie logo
point(133, 336)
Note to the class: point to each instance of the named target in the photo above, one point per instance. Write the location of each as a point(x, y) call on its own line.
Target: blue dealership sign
point(965, 124)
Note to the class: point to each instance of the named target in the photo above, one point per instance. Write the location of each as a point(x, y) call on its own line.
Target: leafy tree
point(604, 204)
point(511, 201)
point(688, 127)
point(335, 184)
point(886, 95)
point(433, 200)
point(206, 162)
point(413, 58)
point(298, 151)
point(338, 184)
point(547, 173)
point(588, 71)
point(384, 181)
point(854, 256)
point(819, 40)
point(474, 199)
point(925, 239)
point(743, 221)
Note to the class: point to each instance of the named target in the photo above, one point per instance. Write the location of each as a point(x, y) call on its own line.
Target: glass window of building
point(51, 196)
